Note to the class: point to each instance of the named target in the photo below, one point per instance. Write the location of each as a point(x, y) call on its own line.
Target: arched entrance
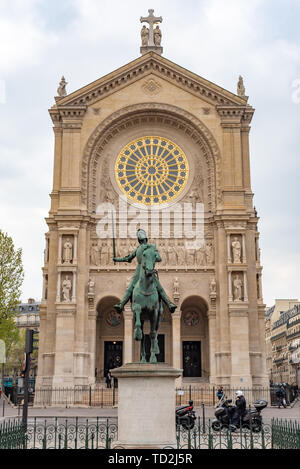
point(195, 339)
point(109, 337)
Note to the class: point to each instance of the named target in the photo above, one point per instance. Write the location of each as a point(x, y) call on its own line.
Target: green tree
point(11, 279)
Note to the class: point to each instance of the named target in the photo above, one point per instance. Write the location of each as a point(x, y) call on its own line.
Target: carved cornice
point(137, 114)
point(67, 117)
point(233, 117)
point(152, 63)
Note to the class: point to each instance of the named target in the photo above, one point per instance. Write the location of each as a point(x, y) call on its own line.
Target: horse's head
point(148, 261)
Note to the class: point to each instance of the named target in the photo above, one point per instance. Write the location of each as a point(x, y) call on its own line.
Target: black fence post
point(214, 399)
point(90, 397)
point(203, 416)
point(190, 393)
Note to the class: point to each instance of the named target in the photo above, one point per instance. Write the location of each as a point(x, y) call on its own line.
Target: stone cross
point(151, 20)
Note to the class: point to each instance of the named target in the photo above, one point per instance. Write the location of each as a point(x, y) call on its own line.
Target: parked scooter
point(186, 416)
point(252, 418)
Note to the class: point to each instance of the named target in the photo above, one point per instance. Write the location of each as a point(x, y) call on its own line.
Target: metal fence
point(78, 396)
point(285, 434)
point(12, 435)
point(102, 433)
point(107, 398)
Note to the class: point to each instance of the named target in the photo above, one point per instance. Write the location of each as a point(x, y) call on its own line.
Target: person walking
point(281, 394)
point(108, 380)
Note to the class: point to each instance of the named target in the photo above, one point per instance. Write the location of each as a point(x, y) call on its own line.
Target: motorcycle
point(251, 419)
point(186, 416)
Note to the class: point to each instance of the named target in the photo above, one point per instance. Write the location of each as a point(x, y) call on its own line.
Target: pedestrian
point(295, 390)
point(108, 380)
point(220, 393)
point(281, 394)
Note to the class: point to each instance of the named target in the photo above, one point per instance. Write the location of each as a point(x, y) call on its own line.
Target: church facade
point(141, 147)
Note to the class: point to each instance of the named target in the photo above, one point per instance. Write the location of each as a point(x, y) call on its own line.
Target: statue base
point(146, 409)
point(156, 49)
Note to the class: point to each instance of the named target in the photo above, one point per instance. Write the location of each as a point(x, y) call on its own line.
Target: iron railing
point(107, 398)
point(285, 434)
point(102, 433)
point(12, 435)
point(207, 395)
point(78, 396)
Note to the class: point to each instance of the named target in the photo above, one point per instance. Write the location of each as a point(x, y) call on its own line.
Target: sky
point(41, 40)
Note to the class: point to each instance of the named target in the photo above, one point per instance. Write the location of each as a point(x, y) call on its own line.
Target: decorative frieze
point(175, 254)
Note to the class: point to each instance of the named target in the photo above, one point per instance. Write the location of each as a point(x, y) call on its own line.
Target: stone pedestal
point(146, 409)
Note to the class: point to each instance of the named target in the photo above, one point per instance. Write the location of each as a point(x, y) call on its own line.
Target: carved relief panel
point(175, 254)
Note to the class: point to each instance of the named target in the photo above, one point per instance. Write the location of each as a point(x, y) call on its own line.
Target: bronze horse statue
point(146, 293)
point(146, 303)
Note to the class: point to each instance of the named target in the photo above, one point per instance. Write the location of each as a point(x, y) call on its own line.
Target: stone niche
point(67, 287)
point(236, 248)
point(67, 249)
point(238, 287)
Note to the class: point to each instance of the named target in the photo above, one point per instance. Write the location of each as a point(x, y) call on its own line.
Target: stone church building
point(155, 135)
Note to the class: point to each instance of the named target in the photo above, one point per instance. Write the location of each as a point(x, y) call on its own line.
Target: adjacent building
point(28, 314)
point(283, 341)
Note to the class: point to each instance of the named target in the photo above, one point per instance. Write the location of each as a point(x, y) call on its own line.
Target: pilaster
point(239, 336)
point(64, 346)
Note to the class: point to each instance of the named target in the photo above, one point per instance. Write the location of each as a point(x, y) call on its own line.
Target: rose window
point(152, 170)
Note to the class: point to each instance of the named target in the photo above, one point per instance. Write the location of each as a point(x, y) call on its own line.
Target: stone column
point(260, 296)
point(58, 294)
point(44, 288)
point(176, 337)
point(229, 249)
point(212, 344)
point(264, 379)
point(80, 297)
point(92, 345)
point(74, 287)
point(176, 344)
point(245, 287)
point(128, 335)
point(59, 258)
point(230, 297)
point(42, 342)
point(244, 248)
point(75, 249)
point(57, 165)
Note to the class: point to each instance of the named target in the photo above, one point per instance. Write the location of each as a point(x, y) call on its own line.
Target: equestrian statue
point(146, 294)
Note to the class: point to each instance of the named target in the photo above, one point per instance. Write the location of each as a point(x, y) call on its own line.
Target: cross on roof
point(151, 20)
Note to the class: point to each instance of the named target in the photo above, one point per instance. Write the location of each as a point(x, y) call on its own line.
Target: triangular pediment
point(151, 63)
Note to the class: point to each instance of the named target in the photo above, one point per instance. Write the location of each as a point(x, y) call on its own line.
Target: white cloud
point(23, 39)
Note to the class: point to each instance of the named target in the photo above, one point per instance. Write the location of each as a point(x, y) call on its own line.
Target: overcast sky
point(41, 40)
